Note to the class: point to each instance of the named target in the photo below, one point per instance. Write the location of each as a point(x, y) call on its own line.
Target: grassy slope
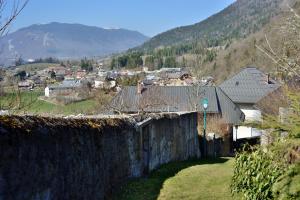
point(33, 67)
point(32, 105)
point(208, 179)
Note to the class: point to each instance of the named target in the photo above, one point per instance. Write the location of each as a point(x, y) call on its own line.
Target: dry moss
point(29, 123)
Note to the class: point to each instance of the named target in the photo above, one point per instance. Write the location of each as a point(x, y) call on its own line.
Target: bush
point(254, 174)
point(270, 173)
point(288, 185)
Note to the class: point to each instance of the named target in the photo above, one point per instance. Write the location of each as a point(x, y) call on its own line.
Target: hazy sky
point(150, 17)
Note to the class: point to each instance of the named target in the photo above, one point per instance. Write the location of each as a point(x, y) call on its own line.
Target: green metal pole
point(204, 134)
point(205, 119)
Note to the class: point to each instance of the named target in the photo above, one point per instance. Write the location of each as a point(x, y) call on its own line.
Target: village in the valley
point(202, 103)
point(242, 98)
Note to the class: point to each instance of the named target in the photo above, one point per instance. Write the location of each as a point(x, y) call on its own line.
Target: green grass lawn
point(30, 104)
point(33, 67)
point(206, 179)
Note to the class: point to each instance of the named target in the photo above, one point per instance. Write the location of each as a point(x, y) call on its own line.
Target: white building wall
point(47, 92)
point(99, 84)
point(241, 132)
point(252, 115)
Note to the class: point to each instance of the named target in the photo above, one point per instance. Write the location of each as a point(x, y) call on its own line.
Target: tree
point(52, 75)
point(273, 170)
point(128, 81)
point(19, 61)
point(210, 56)
point(13, 8)
point(286, 57)
point(9, 10)
point(113, 63)
point(149, 62)
point(86, 65)
point(153, 98)
point(159, 62)
point(135, 60)
point(170, 62)
point(183, 62)
point(21, 75)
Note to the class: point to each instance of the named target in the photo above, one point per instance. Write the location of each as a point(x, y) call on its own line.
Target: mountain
point(238, 20)
point(225, 42)
point(62, 40)
point(279, 34)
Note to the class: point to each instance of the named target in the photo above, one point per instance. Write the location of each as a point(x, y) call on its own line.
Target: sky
point(149, 17)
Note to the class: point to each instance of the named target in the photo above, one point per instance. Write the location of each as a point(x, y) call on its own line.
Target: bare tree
point(147, 99)
point(154, 99)
point(9, 10)
point(286, 57)
point(194, 94)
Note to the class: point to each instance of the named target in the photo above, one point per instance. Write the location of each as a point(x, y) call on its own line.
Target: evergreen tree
point(170, 62)
point(149, 62)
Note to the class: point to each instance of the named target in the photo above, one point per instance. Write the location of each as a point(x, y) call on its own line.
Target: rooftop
point(249, 86)
point(69, 83)
point(155, 99)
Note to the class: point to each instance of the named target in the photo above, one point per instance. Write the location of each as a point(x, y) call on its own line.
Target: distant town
point(65, 83)
point(206, 111)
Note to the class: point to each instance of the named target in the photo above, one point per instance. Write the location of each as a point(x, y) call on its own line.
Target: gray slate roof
point(177, 99)
point(66, 84)
point(248, 86)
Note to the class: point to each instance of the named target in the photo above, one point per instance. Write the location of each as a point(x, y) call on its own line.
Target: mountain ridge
point(238, 20)
point(65, 40)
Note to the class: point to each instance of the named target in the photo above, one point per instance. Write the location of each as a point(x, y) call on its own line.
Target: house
point(112, 76)
point(102, 72)
point(170, 69)
point(176, 77)
point(99, 84)
point(161, 99)
point(26, 85)
point(67, 87)
point(246, 89)
point(81, 74)
point(60, 74)
point(37, 80)
point(156, 99)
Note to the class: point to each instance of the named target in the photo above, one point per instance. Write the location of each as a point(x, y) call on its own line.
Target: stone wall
point(56, 158)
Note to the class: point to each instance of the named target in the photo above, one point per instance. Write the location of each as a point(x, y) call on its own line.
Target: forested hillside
point(262, 49)
point(236, 21)
point(228, 55)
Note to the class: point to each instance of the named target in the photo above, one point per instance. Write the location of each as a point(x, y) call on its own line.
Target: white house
point(246, 89)
point(99, 83)
point(65, 88)
point(240, 132)
point(102, 72)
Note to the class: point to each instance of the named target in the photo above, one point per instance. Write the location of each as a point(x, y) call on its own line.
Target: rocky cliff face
point(55, 158)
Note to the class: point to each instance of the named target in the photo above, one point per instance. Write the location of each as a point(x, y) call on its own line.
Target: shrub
point(287, 186)
point(270, 173)
point(254, 174)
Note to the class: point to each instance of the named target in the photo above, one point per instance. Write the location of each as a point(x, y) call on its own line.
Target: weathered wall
point(172, 139)
point(46, 158)
point(215, 124)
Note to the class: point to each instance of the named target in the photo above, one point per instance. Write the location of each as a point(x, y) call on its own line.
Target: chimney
point(139, 87)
